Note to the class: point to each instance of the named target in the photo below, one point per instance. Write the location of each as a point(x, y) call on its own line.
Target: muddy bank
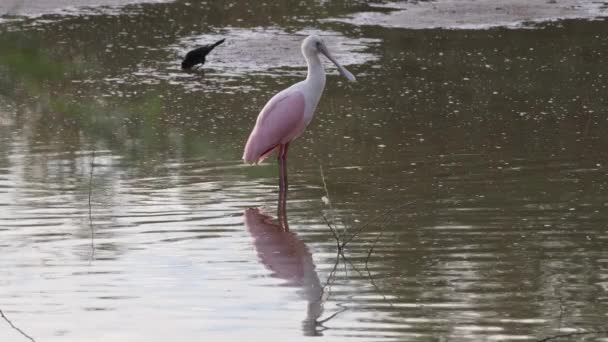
point(476, 14)
point(34, 8)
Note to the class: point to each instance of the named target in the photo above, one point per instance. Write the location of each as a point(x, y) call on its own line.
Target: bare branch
point(341, 244)
point(14, 327)
point(330, 278)
point(333, 231)
point(321, 321)
point(325, 186)
point(382, 215)
point(92, 166)
point(579, 333)
point(371, 249)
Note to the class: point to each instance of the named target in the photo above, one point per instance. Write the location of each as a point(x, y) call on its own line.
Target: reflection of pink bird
point(288, 257)
point(280, 250)
point(287, 114)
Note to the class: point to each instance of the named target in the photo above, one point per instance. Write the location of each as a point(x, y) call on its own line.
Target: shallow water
point(466, 171)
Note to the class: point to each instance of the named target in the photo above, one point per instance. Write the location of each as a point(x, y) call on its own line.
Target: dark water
point(466, 170)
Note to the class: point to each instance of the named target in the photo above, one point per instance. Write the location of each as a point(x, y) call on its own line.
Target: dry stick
point(90, 206)
point(341, 253)
point(325, 185)
point(560, 299)
point(386, 212)
point(327, 192)
point(369, 276)
point(14, 327)
point(375, 242)
point(340, 246)
point(373, 282)
point(340, 250)
point(378, 236)
point(321, 321)
point(369, 273)
point(383, 224)
point(596, 332)
point(561, 308)
point(330, 277)
point(352, 265)
point(371, 249)
point(332, 274)
point(587, 125)
point(333, 231)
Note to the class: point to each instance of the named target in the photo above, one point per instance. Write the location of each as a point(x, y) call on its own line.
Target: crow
point(197, 56)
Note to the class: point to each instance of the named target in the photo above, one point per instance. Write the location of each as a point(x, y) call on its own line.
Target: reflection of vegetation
point(58, 106)
point(32, 75)
point(26, 64)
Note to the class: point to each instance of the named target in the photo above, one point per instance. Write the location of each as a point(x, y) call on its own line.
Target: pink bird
point(287, 114)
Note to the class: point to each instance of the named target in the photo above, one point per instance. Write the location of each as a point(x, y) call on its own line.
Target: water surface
point(465, 172)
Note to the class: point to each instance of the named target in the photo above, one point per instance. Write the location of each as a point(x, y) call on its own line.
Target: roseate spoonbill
point(287, 114)
point(197, 56)
point(288, 258)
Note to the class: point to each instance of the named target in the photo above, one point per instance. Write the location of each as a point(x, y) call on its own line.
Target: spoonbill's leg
point(282, 207)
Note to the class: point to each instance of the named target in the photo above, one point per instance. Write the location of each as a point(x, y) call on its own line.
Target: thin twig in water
point(587, 125)
point(368, 257)
point(340, 251)
point(581, 333)
point(333, 231)
point(325, 186)
point(341, 244)
point(328, 199)
point(338, 244)
point(92, 165)
point(371, 249)
point(330, 277)
point(561, 308)
point(14, 327)
point(321, 321)
point(384, 214)
point(373, 282)
point(347, 260)
point(556, 290)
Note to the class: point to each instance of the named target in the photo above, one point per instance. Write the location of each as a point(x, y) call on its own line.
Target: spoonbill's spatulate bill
point(197, 56)
point(287, 114)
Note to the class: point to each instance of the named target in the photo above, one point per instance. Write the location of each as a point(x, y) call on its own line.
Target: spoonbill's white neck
point(316, 72)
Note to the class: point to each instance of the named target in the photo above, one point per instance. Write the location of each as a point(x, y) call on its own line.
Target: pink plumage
point(287, 114)
point(279, 122)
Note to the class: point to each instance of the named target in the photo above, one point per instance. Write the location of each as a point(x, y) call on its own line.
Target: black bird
point(197, 56)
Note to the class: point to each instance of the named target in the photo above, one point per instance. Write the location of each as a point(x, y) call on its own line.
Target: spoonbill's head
point(313, 45)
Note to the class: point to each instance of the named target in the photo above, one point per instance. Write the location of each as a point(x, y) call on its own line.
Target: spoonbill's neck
point(316, 72)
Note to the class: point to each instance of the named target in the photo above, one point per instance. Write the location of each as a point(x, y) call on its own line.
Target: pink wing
point(279, 122)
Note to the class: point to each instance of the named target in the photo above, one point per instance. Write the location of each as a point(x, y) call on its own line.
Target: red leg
point(282, 205)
